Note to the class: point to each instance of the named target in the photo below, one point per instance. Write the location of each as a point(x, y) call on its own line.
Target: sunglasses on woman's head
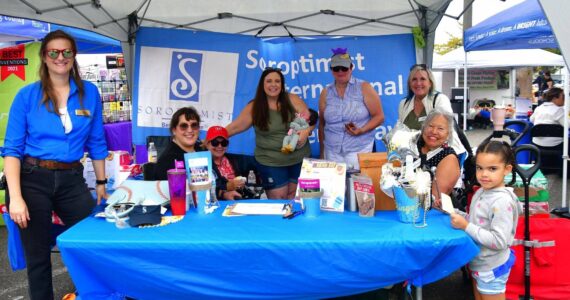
point(273, 69)
point(193, 125)
point(420, 66)
point(339, 69)
point(54, 53)
point(218, 142)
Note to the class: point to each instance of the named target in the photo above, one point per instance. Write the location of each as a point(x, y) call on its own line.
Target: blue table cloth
point(211, 256)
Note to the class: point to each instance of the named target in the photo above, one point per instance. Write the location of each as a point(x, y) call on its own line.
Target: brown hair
point(502, 149)
point(189, 112)
point(47, 86)
point(552, 93)
point(260, 113)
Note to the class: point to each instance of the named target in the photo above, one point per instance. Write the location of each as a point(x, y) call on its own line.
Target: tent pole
point(456, 77)
point(513, 85)
point(465, 94)
point(565, 141)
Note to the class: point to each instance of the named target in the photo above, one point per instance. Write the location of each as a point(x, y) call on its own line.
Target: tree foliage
point(451, 44)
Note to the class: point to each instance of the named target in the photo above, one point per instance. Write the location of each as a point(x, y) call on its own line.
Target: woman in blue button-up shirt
point(349, 112)
point(51, 123)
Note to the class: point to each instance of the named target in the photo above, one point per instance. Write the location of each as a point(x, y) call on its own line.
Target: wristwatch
point(101, 182)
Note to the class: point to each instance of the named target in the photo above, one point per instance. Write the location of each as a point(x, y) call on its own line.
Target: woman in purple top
point(349, 112)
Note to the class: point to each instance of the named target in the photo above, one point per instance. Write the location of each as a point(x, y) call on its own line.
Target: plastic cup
point(312, 206)
point(177, 189)
point(498, 117)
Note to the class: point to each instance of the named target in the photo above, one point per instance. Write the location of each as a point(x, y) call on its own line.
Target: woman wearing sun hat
point(349, 112)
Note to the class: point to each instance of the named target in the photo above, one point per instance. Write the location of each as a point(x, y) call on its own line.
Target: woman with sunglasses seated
point(270, 113)
point(349, 112)
point(225, 165)
point(422, 99)
point(185, 129)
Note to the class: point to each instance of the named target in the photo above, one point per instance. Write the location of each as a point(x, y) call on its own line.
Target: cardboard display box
point(371, 165)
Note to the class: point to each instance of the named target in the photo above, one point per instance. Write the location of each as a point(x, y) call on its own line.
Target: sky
point(482, 9)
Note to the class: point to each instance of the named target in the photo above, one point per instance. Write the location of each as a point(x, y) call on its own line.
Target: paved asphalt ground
point(13, 285)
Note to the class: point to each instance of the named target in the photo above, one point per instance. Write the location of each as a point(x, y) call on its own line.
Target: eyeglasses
point(193, 125)
point(273, 69)
point(218, 142)
point(339, 69)
point(419, 66)
point(54, 53)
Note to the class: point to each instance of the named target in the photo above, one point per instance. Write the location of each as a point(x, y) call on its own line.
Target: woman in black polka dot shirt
point(433, 145)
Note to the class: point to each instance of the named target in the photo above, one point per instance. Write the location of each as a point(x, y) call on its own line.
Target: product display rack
point(113, 87)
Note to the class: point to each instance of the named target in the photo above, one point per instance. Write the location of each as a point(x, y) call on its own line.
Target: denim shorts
point(276, 177)
point(495, 286)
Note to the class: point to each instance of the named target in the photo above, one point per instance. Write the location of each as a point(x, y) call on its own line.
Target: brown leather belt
point(51, 164)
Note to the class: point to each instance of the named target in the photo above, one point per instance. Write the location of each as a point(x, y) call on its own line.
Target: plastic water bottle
point(251, 179)
point(152, 154)
point(213, 197)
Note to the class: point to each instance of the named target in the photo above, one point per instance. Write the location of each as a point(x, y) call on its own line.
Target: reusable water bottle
point(152, 154)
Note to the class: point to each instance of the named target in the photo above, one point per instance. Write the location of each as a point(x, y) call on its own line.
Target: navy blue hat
point(145, 215)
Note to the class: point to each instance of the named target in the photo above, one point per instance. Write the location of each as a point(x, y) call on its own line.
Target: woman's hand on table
point(101, 193)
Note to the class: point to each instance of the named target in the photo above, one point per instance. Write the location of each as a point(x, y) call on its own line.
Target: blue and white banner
point(218, 75)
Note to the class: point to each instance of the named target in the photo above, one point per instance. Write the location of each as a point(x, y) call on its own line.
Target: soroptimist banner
point(18, 66)
point(218, 75)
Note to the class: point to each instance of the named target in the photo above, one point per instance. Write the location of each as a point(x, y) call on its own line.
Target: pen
point(291, 216)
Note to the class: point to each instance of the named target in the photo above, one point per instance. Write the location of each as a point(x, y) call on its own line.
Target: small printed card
point(198, 167)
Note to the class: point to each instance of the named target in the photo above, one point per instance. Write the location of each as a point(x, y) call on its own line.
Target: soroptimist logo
point(185, 70)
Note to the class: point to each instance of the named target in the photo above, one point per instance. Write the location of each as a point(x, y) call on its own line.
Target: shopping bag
point(15, 249)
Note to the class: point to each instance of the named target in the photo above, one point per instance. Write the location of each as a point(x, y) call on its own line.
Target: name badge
point(82, 112)
point(421, 119)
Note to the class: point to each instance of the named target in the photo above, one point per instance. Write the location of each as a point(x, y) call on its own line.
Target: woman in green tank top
point(270, 113)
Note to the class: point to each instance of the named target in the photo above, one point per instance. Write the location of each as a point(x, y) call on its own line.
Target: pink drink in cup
point(177, 189)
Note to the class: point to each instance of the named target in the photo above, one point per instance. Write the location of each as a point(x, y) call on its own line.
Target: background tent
point(523, 26)
point(497, 59)
point(24, 30)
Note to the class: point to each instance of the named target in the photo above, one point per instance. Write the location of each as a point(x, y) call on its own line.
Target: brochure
point(332, 179)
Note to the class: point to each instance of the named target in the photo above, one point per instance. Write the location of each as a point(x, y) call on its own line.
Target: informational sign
point(486, 79)
point(218, 75)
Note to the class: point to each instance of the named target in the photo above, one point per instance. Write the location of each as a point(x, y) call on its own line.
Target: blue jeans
point(44, 190)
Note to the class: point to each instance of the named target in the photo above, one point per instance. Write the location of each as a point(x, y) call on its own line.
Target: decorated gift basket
point(403, 179)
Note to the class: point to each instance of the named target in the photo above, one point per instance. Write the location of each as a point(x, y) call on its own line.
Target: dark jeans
point(63, 191)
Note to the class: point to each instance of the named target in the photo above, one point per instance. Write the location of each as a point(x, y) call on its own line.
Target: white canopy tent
point(497, 59)
point(294, 18)
point(511, 59)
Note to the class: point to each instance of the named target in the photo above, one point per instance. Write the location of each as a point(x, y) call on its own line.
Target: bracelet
point(101, 182)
